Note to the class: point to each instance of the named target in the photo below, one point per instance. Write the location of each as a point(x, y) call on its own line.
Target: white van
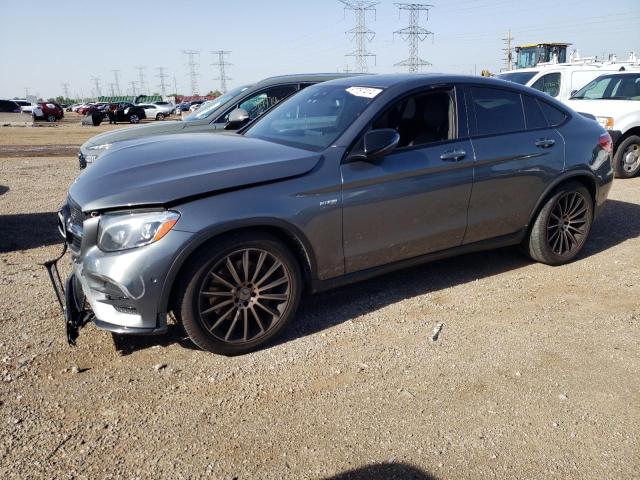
point(561, 80)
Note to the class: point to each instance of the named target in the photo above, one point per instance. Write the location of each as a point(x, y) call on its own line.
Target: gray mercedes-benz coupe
point(212, 116)
point(342, 181)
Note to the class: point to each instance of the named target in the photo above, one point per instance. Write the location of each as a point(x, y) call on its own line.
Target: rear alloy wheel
point(159, 116)
point(627, 158)
point(134, 119)
point(51, 118)
point(562, 226)
point(242, 296)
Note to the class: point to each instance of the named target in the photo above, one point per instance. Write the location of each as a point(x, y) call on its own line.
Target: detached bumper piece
point(71, 299)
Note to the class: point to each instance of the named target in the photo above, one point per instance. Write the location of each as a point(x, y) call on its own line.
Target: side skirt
point(490, 244)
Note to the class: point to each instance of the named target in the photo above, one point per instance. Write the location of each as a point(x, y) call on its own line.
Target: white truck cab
point(561, 80)
point(614, 99)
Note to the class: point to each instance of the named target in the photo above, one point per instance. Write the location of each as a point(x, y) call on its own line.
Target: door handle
point(453, 155)
point(545, 142)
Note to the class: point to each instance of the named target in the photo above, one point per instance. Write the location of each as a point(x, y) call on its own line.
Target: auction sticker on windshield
point(366, 92)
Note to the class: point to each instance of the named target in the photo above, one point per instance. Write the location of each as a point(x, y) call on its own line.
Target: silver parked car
point(345, 180)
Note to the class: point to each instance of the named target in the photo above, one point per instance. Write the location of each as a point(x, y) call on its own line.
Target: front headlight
point(121, 231)
point(606, 122)
point(104, 146)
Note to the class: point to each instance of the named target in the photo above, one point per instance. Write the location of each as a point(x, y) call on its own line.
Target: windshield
point(208, 107)
point(314, 118)
point(517, 77)
point(611, 87)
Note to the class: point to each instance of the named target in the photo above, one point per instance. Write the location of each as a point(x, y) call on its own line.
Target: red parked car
point(51, 112)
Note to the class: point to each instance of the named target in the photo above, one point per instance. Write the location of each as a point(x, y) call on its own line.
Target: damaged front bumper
point(117, 291)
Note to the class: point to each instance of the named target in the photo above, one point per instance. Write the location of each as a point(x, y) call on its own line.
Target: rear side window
point(7, 106)
point(554, 115)
point(533, 114)
point(549, 84)
point(497, 111)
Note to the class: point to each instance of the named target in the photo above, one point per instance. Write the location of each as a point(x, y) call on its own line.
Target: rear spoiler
point(588, 115)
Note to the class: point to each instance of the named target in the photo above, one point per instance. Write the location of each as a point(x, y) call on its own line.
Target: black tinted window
point(497, 111)
point(533, 114)
point(553, 115)
point(7, 106)
point(549, 84)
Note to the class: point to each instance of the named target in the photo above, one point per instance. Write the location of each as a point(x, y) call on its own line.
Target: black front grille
point(75, 213)
point(76, 241)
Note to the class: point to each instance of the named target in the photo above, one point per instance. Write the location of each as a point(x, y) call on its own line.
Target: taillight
point(605, 142)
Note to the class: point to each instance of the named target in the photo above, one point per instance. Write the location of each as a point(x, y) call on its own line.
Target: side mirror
point(573, 92)
point(237, 119)
point(377, 144)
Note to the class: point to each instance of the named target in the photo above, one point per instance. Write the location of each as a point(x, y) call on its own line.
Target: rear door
point(517, 155)
point(413, 201)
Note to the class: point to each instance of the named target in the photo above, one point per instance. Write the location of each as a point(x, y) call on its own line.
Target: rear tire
point(239, 293)
point(562, 226)
point(51, 118)
point(626, 161)
point(159, 117)
point(134, 119)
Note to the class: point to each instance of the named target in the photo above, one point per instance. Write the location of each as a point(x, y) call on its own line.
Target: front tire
point(238, 294)
point(51, 118)
point(562, 226)
point(626, 161)
point(159, 117)
point(134, 119)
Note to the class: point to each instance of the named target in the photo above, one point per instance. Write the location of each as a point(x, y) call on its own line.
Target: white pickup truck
point(614, 99)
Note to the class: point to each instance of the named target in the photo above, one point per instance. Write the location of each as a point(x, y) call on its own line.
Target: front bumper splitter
point(72, 302)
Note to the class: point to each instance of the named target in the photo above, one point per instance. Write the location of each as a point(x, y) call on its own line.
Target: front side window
point(258, 104)
point(549, 84)
point(497, 111)
point(211, 106)
point(314, 118)
point(611, 87)
point(422, 119)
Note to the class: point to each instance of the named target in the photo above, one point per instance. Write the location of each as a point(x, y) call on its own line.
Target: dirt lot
point(535, 374)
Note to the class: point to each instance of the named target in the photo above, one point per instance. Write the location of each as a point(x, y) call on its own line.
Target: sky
point(44, 44)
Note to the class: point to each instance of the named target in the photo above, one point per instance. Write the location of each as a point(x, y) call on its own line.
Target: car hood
point(122, 134)
point(604, 108)
point(165, 169)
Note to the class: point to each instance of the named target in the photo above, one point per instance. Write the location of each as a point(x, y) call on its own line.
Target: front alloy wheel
point(244, 295)
point(240, 297)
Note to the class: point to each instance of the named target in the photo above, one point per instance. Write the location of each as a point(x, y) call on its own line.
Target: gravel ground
point(484, 366)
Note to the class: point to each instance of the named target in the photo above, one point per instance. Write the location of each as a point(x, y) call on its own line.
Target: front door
point(413, 201)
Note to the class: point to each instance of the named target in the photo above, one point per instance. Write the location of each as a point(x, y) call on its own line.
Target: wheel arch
point(290, 235)
point(632, 131)
point(588, 179)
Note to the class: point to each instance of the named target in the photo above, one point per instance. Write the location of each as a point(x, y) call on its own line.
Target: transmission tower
point(112, 88)
point(116, 81)
point(141, 83)
point(133, 84)
point(191, 55)
point(413, 34)
point(163, 84)
point(96, 84)
point(508, 52)
point(360, 33)
point(65, 89)
point(222, 64)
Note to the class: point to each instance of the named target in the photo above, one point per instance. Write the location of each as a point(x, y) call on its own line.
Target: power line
point(222, 64)
point(162, 76)
point(508, 52)
point(116, 81)
point(413, 34)
point(191, 55)
point(96, 83)
point(141, 83)
point(361, 34)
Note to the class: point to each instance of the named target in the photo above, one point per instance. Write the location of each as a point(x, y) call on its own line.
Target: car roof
point(302, 78)
point(415, 79)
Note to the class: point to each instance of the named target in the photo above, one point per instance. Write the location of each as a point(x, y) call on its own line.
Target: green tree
point(213, 93)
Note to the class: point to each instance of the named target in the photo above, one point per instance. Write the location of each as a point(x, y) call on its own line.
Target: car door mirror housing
point(378, 143)
point(237, 118)
point(573, 92)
